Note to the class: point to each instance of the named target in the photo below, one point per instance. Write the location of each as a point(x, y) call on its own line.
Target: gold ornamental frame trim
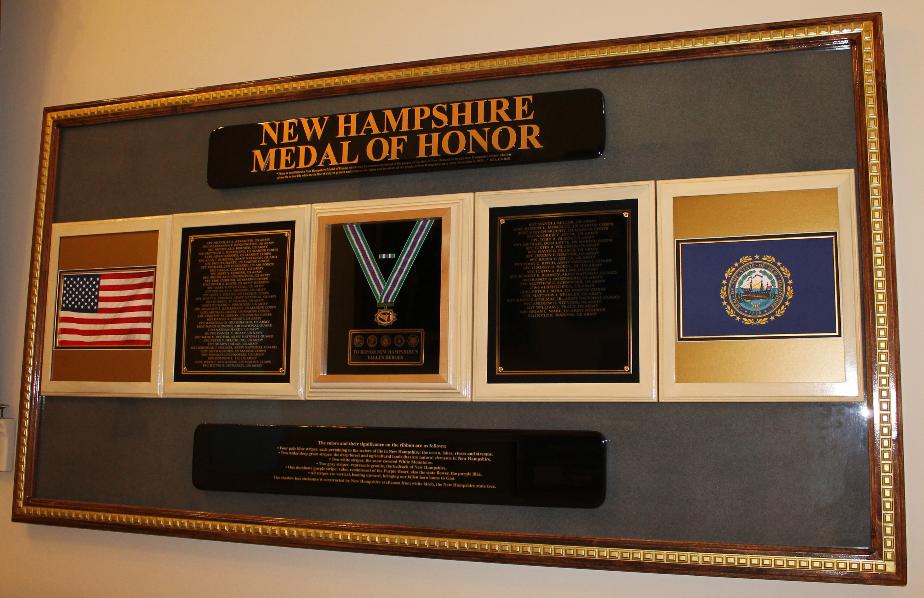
point(244, 531)
point(884, 402)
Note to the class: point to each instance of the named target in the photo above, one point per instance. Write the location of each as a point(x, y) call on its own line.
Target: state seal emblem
point(756, 289)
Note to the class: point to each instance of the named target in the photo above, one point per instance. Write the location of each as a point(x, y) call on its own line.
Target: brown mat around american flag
point(105, 307)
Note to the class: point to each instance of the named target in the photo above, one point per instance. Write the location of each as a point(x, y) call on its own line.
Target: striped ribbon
point(385, 290)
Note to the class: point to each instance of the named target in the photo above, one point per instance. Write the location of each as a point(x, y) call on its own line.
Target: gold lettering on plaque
point(450, 131)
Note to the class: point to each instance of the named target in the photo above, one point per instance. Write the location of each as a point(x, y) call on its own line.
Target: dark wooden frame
point(884, 563)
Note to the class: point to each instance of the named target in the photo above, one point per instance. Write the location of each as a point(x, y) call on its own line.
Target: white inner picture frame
point(95, 345)
point(750, 363)
point(452, 380)
point(581, 198)
point(294, 387)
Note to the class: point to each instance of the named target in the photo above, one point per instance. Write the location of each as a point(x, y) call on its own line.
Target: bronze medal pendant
point(385, 316)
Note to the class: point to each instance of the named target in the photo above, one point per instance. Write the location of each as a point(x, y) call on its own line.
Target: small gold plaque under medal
point(386, 347)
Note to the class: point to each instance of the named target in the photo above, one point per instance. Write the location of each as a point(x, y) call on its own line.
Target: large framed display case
point(625, 304)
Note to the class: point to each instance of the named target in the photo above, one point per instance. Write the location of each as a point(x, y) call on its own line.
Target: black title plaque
point(562, 295)
point(235, 303)
point(508, 467)
point(516, 129)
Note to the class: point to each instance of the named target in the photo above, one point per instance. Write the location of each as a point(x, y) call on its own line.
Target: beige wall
point(64, 51)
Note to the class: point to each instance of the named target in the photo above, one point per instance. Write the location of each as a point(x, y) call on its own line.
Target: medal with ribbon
point(385, 290)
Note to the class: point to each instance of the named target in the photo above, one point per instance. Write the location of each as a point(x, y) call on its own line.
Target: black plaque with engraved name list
point(508, 467)
point(562, 293)
point(233, 321)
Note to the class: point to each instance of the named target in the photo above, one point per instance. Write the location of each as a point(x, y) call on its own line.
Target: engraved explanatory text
point(417, 465)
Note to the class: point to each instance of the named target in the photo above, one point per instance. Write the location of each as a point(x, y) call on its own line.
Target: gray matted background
point(740, 473)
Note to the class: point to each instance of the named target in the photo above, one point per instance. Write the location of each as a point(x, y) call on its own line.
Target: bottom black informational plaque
point(510, 467)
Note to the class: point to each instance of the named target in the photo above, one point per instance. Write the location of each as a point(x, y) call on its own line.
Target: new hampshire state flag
point(758, 287)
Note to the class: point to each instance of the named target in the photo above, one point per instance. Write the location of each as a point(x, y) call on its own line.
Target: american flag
point(106, 308)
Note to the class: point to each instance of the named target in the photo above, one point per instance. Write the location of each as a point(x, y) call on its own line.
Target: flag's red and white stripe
point(124, 316)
